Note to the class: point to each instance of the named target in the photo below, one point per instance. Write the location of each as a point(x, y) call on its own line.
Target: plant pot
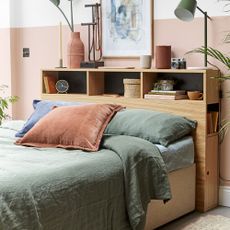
point(75, 51)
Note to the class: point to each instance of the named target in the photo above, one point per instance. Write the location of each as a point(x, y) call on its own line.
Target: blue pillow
point(41, 108)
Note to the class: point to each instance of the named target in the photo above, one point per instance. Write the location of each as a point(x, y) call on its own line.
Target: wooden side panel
point(148, 80)
point(212, 86)
point(95, 83)
point(211, 177)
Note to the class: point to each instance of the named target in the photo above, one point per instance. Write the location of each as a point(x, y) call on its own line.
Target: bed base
point(182, 183)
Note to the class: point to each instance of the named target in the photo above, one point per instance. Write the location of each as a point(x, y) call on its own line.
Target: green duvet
point(71, 189)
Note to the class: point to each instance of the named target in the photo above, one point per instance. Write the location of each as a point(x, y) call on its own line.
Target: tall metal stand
point(94, 38)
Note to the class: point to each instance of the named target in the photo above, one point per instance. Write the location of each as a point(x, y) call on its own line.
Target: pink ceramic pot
point(163, 57)
point(75, 51)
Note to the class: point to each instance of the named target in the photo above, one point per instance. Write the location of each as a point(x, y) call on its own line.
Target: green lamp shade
point(185, 10)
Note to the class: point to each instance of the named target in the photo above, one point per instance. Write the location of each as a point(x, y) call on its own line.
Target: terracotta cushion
point(71, 127)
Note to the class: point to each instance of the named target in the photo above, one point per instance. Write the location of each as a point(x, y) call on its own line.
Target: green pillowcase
point(156, 127)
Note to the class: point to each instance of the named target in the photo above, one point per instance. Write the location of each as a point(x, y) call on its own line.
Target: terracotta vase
point(75, 51)
point(163, 57)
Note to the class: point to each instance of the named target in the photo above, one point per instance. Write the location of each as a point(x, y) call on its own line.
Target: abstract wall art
point(127, 27)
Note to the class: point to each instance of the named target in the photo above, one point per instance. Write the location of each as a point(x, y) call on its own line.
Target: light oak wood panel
point(179, 205)
point(211, 172)
point(95, 83)
point(212, 85)
point(148, 79)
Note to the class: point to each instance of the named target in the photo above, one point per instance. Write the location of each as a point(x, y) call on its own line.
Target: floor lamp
point(185, 11)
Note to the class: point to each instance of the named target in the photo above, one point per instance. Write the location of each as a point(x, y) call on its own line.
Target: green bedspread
point(71, 189)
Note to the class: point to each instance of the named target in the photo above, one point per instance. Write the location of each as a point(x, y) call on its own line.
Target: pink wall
point(43, 44)
point(44, 48)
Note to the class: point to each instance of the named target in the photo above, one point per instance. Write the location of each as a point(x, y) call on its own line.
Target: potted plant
point(225, 60)
point(75, 49)
point(4, 103)
point(219, 56)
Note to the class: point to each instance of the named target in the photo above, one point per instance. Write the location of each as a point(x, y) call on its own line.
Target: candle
point(60, 40)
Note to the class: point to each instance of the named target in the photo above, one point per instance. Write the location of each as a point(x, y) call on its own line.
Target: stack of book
point(166, 94)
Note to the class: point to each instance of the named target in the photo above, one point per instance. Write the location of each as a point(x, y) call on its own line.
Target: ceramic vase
point(163, 57)
point(75, 51)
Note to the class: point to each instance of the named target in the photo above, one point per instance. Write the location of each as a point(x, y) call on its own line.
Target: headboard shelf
point(206, 145)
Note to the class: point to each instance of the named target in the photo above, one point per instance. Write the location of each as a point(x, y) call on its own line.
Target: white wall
point(4, 14)
point(164, 9)
point(33, 13)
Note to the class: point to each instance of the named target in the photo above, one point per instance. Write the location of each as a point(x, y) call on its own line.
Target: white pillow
point(13, 125)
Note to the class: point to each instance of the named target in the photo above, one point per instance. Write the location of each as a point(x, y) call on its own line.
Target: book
point(46, 86)
point(212, 121)
point(167, 92)
point(50, 84)
point(169, 97)
point(215, 118)
point(209, 123)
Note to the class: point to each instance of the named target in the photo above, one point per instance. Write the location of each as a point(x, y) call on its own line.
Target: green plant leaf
point(4, 103)
point(55, 2)
point(224, 128)
point(218, 55)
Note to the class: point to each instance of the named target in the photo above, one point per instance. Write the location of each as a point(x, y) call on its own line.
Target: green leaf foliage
point(225, 60)
point(4, 103)
point(218, 55)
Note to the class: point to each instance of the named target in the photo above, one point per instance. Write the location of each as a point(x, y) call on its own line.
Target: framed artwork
point(127, 28)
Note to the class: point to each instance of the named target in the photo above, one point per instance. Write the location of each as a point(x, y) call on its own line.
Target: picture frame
point(127, 28)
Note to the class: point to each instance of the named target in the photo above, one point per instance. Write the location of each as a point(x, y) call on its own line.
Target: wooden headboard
point(206, 184)
point(90, 85)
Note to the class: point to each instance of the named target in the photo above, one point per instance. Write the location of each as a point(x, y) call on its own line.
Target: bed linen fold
point(145, 175)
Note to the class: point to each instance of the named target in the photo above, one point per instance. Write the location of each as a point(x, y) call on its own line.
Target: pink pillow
point(71, 127)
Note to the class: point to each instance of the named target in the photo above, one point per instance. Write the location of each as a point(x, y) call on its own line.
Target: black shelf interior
point(114, 82)
point(188, 81)
point(76, 80)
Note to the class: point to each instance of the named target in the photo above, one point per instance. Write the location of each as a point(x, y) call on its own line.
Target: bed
point(40, 189)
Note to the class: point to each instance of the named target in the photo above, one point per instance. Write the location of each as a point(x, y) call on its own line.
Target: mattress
point(179, 154)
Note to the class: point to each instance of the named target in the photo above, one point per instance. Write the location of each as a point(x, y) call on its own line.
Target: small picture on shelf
point(50, 84)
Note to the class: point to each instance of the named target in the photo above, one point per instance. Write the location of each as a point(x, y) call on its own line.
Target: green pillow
point(156, 127)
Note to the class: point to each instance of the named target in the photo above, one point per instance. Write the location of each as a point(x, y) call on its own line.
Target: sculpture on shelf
point(94, 38)
point(75, 48)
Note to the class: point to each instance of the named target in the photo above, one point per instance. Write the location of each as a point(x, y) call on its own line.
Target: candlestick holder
point(60, 47)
